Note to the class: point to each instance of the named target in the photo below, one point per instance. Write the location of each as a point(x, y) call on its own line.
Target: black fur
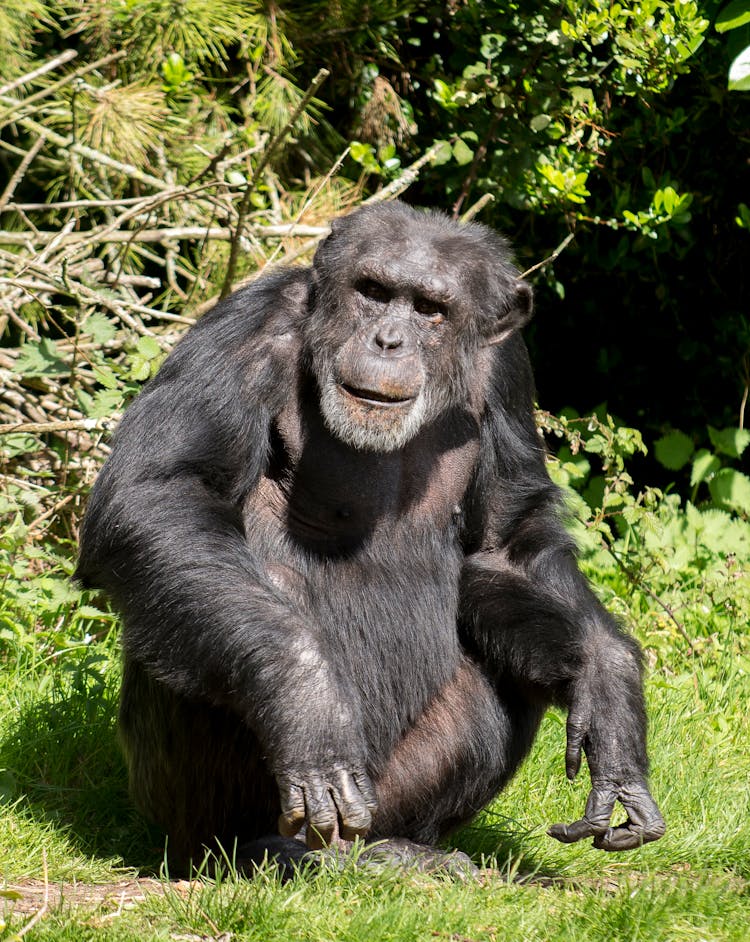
point(350, 616)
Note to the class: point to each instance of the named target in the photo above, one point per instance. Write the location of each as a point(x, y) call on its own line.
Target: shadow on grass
point(498, 842)
point(63, 766)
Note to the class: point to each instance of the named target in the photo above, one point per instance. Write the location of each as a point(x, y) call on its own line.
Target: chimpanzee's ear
point(518, 304)
point(325, 244)
point(336, 225)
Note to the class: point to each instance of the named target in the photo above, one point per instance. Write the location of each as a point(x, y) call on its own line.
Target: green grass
point(66, 812)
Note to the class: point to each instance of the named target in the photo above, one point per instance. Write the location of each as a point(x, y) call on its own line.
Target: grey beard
point(365, 434)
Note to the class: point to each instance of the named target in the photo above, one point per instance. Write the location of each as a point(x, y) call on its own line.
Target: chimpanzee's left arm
point(532, 618)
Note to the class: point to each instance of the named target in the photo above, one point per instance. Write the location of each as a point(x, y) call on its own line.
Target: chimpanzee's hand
point(327, 801)
point(609, 784)
point(644, 822)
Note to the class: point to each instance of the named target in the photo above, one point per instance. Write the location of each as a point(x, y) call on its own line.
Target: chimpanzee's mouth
point(372, 397)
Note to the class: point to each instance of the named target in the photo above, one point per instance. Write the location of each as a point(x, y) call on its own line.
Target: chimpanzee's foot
point(287, 853)
point(290, 855)
point(402, 853)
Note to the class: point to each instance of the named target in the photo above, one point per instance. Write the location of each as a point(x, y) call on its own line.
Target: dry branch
point(85, 277)
point(221, 233)
point(48, 66)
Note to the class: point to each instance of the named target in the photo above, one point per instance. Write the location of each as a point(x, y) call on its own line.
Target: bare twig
point(244, 207)
point(38, 428)
point(308, 203)
point(48, 90)
point(479, 154)
point(129, 170)
point(477, 208)
point(20, 171)
point(402, 183)
point(551, 258)
point(217, 233)
point(47, 66)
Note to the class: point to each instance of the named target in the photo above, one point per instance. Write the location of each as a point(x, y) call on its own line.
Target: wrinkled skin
point(347, 594)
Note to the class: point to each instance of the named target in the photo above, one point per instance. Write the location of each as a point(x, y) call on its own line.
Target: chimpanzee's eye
point(369, 288)
point(428, 308)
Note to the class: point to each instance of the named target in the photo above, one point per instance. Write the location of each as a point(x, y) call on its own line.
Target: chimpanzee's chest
point(334, 500)
point(366, 545)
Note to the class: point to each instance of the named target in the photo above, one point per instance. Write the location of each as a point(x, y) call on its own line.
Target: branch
point(397, 186)
point(558, 251)
point(477, 208)
point(31, 428)
point(129, 170)
point(219, 233)
point(244, 207)
point(48, 66)
point(20, 171)
point(51, 89)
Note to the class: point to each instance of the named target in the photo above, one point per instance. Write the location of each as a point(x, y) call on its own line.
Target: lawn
point(77, 863)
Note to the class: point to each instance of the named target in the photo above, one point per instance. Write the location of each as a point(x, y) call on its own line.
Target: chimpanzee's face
point(395, 324)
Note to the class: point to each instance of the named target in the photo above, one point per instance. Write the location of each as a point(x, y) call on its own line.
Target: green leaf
point(10, 894)
point(490, 45)
point(705, 464)
point(140, 368)
point(729, 441)
point(540, 122)
point(735, 14)
point(106, 377)
point(100, 327)
point(148, 347)
point(89, 611)
point(730, 488)
point(362, 153)
point(462, 152)
point(106, 401)
point(739, 72)
point(673, 450)
point(18, 444)
point(582, 96)
point(443, 153)
point(444, 94)
point(40, 359)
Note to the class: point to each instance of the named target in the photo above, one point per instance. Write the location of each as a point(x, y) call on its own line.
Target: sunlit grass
point(67, 814)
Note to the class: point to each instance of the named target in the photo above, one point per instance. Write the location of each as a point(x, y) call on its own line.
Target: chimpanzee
point(347, 594)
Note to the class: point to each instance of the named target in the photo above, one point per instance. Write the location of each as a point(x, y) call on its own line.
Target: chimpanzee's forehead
point(437, 262)
point(436, 281)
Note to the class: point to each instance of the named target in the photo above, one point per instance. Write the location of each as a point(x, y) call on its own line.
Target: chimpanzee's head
point(402, 302)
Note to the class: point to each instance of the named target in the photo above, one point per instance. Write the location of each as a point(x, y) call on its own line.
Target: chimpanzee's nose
point(388, 336)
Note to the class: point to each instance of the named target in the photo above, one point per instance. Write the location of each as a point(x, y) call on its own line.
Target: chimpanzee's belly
point(388, 615)
point(385, 611)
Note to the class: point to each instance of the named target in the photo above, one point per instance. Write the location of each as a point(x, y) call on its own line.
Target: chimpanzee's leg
point(457, 756)
point(195, 771)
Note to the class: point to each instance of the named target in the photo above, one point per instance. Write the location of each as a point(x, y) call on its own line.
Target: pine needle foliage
point(20, 23)
point(197, 30)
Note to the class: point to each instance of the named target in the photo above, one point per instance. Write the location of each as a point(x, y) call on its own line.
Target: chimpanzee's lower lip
point(372, 397)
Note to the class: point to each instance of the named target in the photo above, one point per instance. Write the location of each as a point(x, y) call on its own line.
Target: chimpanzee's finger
point(599, 806)
point(352, 807)
point(576, 732)
point(367, 789)
point(322, 817)
point(292, 815)
point(569, 833)
point(645, 822)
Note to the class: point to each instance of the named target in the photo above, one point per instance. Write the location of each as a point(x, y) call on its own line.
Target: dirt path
point(31, 895)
